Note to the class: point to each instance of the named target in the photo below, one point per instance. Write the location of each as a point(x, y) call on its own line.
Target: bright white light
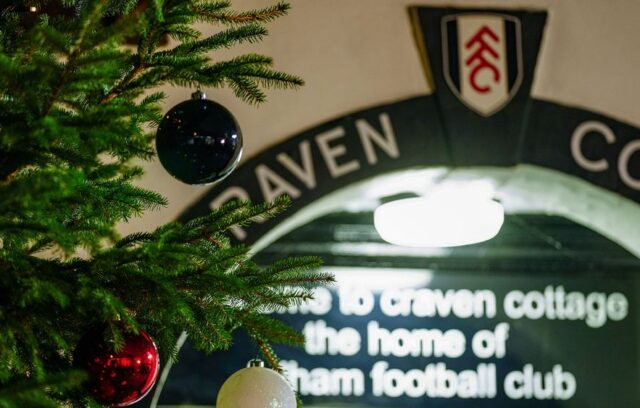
point(445, 219)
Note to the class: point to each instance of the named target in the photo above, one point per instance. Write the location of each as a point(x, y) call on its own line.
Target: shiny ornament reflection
point(256, 387)
point(199, 141)
point(118, 379)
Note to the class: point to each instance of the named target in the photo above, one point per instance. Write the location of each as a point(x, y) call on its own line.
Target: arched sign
point(451, 127)
point(481, 64)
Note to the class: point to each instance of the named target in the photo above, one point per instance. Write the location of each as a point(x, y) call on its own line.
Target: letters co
point(482, 59)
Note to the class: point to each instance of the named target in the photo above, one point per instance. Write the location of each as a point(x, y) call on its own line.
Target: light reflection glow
point(446, 219)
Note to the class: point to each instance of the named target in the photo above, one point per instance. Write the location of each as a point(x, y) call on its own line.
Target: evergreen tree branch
point(93, 16)
point(75, 108)
point(39, 394)
point(138, 68)
point(267, 351)
point(217, 12)
point(131, 75)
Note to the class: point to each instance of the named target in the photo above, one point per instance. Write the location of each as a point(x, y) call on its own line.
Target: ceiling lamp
point(447, 218)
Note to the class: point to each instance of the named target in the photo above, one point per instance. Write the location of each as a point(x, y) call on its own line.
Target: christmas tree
point(78, 107)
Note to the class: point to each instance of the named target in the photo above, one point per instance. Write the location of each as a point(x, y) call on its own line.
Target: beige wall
point(358, 53)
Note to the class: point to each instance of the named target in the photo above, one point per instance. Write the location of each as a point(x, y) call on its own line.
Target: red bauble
point(122, 378)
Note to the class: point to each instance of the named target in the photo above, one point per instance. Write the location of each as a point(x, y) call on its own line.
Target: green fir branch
point(76, 108)
point(39, 394)
point(219, 12)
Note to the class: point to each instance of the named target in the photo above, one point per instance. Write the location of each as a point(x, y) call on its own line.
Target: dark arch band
point(411, 133)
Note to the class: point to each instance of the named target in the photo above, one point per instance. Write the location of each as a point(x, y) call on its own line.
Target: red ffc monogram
point(479, 56)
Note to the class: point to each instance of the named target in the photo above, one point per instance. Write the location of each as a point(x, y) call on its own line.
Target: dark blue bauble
point(199, 141)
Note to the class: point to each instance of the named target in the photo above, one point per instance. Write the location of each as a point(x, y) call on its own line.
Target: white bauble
point(256, 387)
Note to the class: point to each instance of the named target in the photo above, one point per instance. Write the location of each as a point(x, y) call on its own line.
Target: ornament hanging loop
point(256, 362)
point(198, 95)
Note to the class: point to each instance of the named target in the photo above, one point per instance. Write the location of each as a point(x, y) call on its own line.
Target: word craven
point(454, 363)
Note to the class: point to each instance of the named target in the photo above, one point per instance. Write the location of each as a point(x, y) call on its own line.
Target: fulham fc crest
point(482, 59)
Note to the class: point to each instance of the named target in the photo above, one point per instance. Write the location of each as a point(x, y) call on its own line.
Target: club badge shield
point(482, 59)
